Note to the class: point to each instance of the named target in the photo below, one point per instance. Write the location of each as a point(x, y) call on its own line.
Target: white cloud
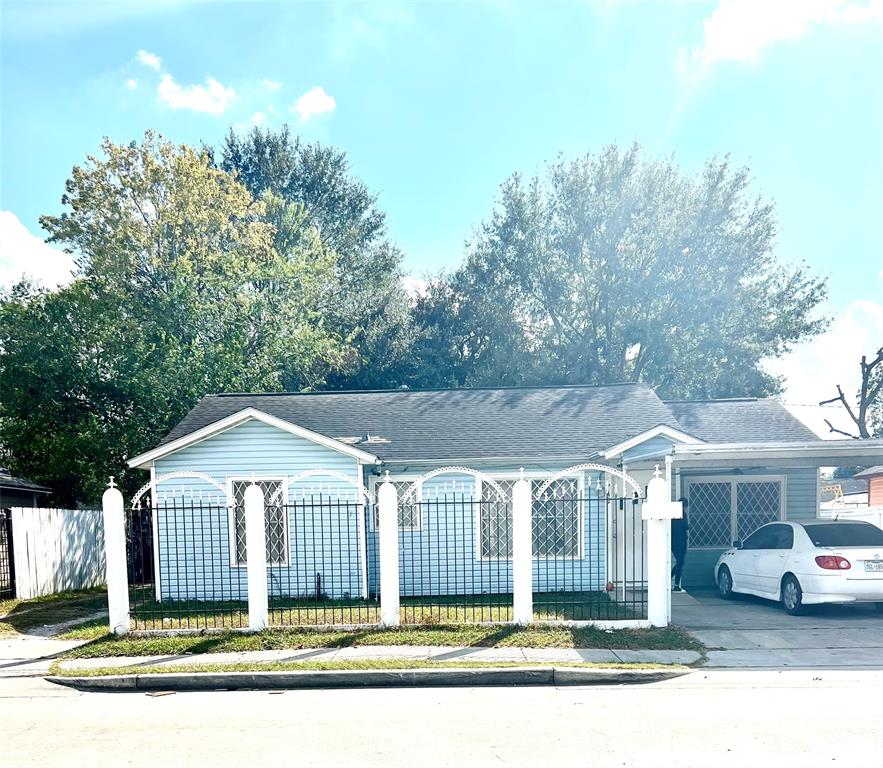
point(149, 59)
point(313, 102)
point(739, 30)
point(21, 253)
point(131, 84)
point(213, 97)
point(813, 370)
point(271, 85)
point(414, 287)
point(258, 118)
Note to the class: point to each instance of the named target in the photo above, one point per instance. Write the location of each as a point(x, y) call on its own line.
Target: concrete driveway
point(750, 632)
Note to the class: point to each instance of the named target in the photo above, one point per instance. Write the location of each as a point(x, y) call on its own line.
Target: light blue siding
point(194, 539)
point(655, 447)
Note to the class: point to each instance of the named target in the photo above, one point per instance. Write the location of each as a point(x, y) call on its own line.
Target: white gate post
point(388, 523)
point(522, 552)
point(256, 556)
point(658, 510)
point(115, 559)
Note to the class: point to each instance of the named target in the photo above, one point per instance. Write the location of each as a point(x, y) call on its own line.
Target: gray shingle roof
point(870, 471)
point(19, 483)
point(743, 420)
point(503, 423)
point(459, 424)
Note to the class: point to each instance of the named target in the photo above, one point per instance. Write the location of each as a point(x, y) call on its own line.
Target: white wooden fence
point(56, 550)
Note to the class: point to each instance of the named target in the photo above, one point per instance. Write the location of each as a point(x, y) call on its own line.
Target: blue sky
point(437, 103)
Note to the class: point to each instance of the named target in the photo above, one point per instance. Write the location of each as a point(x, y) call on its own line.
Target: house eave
point(816, 453)
point(144, 460)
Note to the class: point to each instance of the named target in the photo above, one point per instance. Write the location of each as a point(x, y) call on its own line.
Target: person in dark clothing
point(679, 529)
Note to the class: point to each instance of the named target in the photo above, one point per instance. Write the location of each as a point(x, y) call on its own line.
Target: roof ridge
point(431, 389)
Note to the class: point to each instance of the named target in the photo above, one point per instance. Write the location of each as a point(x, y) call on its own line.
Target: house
point(453, 456)
point(874, 478)
point(18, 492)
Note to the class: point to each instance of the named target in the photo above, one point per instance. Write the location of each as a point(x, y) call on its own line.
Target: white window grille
point(409, 512)
point(275, 517)
point(722, 509)
point(556, 520)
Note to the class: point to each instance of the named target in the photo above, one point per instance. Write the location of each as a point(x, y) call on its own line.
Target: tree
point(181, 290)
point(367, 305)
point(618, 268)
point(867, 415)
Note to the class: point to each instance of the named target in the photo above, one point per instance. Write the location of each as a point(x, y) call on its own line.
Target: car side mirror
point(737, 544)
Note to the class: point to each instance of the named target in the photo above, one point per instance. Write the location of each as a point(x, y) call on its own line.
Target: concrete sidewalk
point(394, 652)
point(26, 656)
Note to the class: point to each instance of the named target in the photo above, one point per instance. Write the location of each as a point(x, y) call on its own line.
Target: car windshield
point(845, 535)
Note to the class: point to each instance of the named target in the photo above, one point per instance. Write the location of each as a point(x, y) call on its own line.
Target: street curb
point(380, 678)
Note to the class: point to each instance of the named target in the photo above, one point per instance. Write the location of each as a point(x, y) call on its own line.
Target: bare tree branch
point(840, 431)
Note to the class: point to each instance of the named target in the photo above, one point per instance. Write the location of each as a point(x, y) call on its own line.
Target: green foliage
point(181, 291)
point(618, 268)
point(365, 304)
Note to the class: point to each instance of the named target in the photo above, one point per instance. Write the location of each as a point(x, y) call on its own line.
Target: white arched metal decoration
point(136, 499)
point(411, 493)
point(591, 468)
point(321, 473)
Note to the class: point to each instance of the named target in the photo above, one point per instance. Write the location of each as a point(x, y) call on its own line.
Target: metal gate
point(7, 562)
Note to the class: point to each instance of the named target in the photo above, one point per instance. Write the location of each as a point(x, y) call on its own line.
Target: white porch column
point(115, 559)
point(256, 554)
point(658, 510)
point(388, 524)
point(522, 552)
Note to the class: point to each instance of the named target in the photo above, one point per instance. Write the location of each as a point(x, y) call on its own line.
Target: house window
point(276, 521)
point(556, 520)
point(409, 513)
point(723, 509)
point(495, 522)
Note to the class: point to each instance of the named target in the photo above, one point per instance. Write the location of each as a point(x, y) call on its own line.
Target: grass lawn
point(486, 636)
point(324, 666)
point(23, 616)
point(148, 614)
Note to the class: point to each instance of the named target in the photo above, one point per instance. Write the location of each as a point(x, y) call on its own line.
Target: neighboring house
point(843, 494)
point(741, 463)
point(874, 477)
point(18, 492)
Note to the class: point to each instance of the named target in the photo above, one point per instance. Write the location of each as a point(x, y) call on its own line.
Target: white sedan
point(823, 561)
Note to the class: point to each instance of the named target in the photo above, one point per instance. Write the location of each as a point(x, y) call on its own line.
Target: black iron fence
point(188, 560)
point(588, 556)
point(455, 560)
point(187, 564)
point(7, 561)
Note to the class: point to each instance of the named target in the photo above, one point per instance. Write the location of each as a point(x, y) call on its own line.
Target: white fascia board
point(240, 417)
point(821, 452)
point(661, 430)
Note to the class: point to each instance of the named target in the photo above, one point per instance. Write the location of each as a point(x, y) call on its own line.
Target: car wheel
point(725, 583)
point(792, 596)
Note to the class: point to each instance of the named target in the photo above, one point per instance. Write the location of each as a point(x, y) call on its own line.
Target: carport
point(734, 488)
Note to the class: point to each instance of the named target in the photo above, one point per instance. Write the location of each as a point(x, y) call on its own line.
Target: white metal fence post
point(388, 523)
point(256, 556)
point(522, 552)
point(658, 510)
point(115, 559)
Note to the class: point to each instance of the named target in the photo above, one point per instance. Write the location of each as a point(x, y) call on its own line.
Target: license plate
point(874, 565)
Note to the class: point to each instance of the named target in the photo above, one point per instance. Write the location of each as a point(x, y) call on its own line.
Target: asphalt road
point(720, 718)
